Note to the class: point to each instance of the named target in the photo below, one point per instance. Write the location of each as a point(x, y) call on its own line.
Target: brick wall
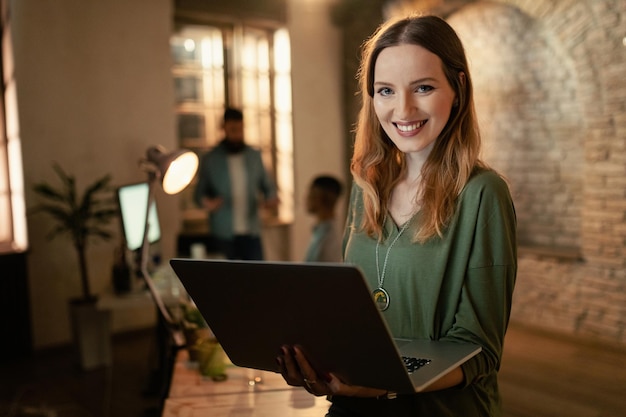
point(550, 85)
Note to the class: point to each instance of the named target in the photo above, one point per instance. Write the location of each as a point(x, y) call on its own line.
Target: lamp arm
point(145, 246)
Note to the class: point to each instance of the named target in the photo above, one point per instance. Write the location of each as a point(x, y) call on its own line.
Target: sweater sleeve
point(266, 185)
point(485, 303)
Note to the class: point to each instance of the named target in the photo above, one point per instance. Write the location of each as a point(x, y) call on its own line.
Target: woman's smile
point(410, 128)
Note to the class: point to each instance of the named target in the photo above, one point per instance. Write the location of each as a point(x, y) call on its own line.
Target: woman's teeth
point(410, 128)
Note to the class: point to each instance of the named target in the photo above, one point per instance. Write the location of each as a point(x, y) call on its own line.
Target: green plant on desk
point(195, 328)
point(211, 359)
point(192, 318)
point(202, 345)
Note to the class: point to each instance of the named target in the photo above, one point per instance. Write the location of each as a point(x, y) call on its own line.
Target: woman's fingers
point(297, 371)
point(303, 364)
point(312, 382)
point(289, 367)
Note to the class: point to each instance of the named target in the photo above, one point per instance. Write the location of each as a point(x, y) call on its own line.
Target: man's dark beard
point(233, 147)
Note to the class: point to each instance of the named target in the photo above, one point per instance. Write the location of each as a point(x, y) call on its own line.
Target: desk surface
point(287, 403)
point(187, 381)
point(193, 395)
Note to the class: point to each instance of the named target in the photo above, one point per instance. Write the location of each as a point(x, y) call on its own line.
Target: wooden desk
point(187, 381)
point(192, 395)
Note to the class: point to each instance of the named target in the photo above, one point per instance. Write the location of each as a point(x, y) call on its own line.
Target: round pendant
point(381, 298)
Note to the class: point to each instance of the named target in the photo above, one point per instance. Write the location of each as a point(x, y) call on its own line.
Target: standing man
point(232, 185)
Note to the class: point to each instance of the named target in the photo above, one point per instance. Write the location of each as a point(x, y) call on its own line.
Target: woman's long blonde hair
point(377, 165)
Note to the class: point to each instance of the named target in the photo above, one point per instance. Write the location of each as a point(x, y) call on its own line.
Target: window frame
point(274, 150)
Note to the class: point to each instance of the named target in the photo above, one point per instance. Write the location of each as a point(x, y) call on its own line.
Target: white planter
point(91, 330)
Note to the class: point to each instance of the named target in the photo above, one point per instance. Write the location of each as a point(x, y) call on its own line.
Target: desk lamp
point(174, 171)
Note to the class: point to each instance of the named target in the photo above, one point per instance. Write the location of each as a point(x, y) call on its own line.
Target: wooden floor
point(51, 384)
point(543, 375)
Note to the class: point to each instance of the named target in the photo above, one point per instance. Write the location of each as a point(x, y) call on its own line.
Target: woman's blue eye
point(385, 91)
point(424, 88)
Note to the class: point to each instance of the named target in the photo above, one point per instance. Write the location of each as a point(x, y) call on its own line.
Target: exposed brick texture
point(550, 89)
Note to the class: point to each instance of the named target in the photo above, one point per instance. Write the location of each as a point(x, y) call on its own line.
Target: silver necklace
point(381, 296)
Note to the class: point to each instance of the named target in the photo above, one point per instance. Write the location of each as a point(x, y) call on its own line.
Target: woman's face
point(412, 97)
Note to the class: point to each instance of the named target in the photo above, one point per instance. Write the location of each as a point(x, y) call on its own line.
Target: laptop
point(255, 307)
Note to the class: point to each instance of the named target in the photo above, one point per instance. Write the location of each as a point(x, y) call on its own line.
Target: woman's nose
point(406, 106)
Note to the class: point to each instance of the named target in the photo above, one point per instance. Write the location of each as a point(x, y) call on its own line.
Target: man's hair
point(328, 183)
point(232, 114)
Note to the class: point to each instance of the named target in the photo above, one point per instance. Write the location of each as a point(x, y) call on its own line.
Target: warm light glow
point(180, 173)
point(212, 50)
point(20, 232)
point(283, 122)
point(282, 88)
point(263, 55)
point(190, 45)
point(248, 56)
point(282, 51)
point(13, 231)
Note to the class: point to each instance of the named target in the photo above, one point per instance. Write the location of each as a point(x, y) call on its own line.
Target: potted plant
point(82, 218)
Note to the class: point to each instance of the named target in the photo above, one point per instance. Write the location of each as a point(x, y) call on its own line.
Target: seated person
point(325, 243)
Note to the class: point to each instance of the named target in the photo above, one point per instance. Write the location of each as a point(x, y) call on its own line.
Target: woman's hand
point(297, 371)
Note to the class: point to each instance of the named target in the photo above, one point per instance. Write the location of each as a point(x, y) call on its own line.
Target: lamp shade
point(177, 168)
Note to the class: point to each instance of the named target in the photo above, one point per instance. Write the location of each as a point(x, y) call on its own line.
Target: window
point(13, 234)
point(243, 66)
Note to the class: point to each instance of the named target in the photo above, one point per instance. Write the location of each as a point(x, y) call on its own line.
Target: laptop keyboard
point(413, 364)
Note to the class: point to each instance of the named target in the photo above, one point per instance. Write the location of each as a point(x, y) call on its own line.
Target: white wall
point(94, 91)
point(317, 97)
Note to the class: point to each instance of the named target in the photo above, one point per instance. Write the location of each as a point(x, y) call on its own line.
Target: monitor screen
point(132, 200)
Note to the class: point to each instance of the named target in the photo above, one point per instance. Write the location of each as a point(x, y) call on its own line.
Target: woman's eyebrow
point(414, 82)
point(424, 80)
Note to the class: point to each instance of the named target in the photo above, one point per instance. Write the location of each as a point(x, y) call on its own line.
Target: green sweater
point(455, 288)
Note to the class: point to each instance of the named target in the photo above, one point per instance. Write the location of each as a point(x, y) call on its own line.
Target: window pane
point(257, 100)
point(13, 233)
point(284, 125)
point(18, 203)
point(191, 129)
point(198, 54)
point(6, 229)
point(188, 88)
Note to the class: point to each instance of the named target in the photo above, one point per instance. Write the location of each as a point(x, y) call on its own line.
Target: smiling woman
point(431, 226)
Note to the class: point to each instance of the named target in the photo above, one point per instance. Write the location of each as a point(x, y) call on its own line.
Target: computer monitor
point(133, 200)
